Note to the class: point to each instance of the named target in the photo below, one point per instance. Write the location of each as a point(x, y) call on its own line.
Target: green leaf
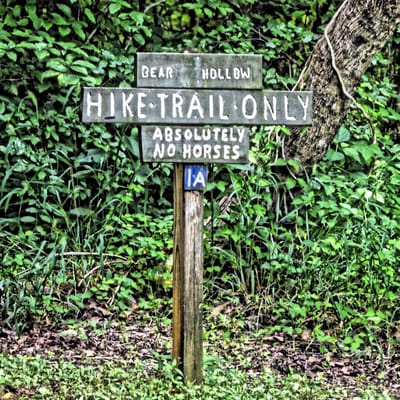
point(80, 211)
point(138, 17)
point(90, 15)
point(58, 19)
point(57, 65)
point(41, 54)
point(12, 56)
point(79, 69)
point(352, 152)
point(333, 155)
point(67, 80)
point(64, 30)
point(114, 7)
point(65, 9)
point(343, 135)
point(369, 151)
point(36, 21)
point(48, 74)
point(27, 219)
point(280, 162)
point(77, 27)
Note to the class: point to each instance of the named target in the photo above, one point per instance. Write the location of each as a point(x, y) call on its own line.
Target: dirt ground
point(256, 352)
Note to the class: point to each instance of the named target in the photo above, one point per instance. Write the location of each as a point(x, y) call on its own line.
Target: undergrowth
point(38, 378)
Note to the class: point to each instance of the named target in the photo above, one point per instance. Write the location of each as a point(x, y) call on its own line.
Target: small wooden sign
point(174, 70)
point(202, 107)
point(195, 144)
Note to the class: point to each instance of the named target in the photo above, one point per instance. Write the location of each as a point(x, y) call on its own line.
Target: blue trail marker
point(195, 177)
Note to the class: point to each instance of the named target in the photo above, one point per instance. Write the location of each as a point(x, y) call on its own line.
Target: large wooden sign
point(188, 106)
point(229, 71)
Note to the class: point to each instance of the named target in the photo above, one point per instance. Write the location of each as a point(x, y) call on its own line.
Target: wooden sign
point(222, 71)
point(202, 107)
point(195, 144)
point(184, 119)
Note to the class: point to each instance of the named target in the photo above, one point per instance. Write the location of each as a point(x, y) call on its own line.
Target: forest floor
point(148, 339)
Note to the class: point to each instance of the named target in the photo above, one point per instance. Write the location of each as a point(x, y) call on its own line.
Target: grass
point(36, 377)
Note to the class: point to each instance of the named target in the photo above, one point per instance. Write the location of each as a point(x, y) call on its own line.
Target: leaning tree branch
point(358, 30)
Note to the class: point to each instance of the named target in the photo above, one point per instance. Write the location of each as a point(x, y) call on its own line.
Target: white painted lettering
point(141, 105)
point(126, 109)
point(217, 131)
point(157, 134)
point(162, 97)
point(169, 73)
point(206, 134)
point(227, 150)
point(197, 135)
point(236, 152)
point(270, 109)
point(245, 106)
point(207, 151)
point(145, 71)
point(217, 151)
point(240, 132)
point(187, 134)
point(178, 135)
point(90, 103)
point(200, 180)
point(245, 73)
point(211, 105)
point(168, 134)
point(195, 105)
point(159, 150)
point(186, 151)
point(197, 150)
point(287, 116)
point(177, 102)
point(221, 108)
point(171, 150)
point(304, 104)
point(112, 106)
point(224, 135)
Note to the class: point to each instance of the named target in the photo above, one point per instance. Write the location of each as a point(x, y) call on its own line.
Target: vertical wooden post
point(193, 288)
point(178, 273)
point(187, 342)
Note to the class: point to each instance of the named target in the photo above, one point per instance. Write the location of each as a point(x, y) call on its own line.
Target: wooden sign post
point(184, 120)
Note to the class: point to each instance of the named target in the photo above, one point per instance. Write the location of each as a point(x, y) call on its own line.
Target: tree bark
point(358, 30)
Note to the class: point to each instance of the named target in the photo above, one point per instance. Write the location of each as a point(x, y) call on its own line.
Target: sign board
point(194, 177)
point(222, 71)
point(202, 107)
point(195, 144)
point(184, 119)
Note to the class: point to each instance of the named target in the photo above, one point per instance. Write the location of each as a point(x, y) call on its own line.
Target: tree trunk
point(359, 29)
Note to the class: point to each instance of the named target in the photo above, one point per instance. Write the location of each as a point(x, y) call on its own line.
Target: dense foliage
point(83, 219)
